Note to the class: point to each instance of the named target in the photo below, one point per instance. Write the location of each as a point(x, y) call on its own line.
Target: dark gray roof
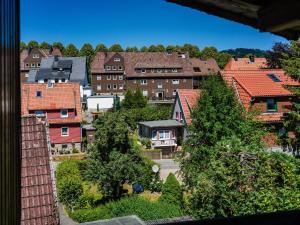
point(74, 69)
point(161, 123)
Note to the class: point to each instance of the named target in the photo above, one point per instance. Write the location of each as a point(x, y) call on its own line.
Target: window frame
point(108, 67)
point(176, 81)
point(274, 103)
point(98, 77)
point(63, 115)
point(38, 94)
point(98, 85)
point(62, 134)
point(143, 83)
point(164, 132)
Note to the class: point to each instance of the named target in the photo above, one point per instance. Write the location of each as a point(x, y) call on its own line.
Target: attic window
point(38, 94)
point(197, 69)
point(117, 59)
point(274, 77)
point(36, 56)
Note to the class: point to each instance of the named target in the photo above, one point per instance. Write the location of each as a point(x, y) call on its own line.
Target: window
point(120, 67)
point(121, 86)
point(134, 81)
point(152, 81)
point(63, 80)
point(143, 82)
point(32, 65)
point(39, 113)
point(143, 70)
point(38, 94)
point(56, 80)
point(64, 131)
point(115, 87)
point(197, 69)
point(120, 77)
point(167, 80)
point(107, 67)
point(99, 87)
point(159, 70)
point(38, 65)
point(64, 146)
point(174, 92)
point(108, 77)
point(99, 77)
point(175, 81)
point(159, 85)
point(174, 70)
point(27, 64)
point(36, 56)
point(271, 105)
point(145, 93)
point(26, 75)
point(274, 77)
point(108, 87)
point(177, 115)
point(114, 68)
point(117, 59)
point(184, 80)
point(164, 134)
point(115, 77)
point(154, 135)
point(64, 113)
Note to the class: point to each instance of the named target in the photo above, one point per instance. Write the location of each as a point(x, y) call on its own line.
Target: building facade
point(60, 104)
point(157, 74)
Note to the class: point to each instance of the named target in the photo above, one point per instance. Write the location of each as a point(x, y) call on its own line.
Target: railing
point(168, 142)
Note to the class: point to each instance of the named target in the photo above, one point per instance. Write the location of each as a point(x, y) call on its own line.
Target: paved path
point(168, 166)
point(64, 219)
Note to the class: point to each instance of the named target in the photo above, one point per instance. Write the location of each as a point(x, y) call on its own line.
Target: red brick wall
point(74, 133)
point(283, 104)
point(55, 114)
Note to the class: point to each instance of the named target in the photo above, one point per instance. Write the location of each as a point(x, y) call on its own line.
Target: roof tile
point(188, 99)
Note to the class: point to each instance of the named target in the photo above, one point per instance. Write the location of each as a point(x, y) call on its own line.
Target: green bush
point(146, 142)
point(69, 191)
point(143, 208)
point(86, 215)
point(172, 191)
point(68, 168)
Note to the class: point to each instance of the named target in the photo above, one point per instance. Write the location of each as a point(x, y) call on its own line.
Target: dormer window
point(38, 65)
point(143, 70)
point(32, 65)
point(114, 68)
point(108, 67)
point(27, 64)
point(63, 113)
point(174, 70)
point(36, 56)
point(197, 69)
point(38, 94)
point(159, 70)
point(120, 68)
point(117, 59)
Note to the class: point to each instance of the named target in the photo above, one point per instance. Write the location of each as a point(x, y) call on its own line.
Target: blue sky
point(133, 23)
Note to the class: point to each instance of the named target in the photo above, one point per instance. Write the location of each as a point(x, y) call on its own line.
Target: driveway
point(168, 166)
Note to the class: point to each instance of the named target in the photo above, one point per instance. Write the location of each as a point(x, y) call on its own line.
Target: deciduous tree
point(33, 44)
point(71, 51)
point(101, 48)
point(116, 48)
point(45, 45)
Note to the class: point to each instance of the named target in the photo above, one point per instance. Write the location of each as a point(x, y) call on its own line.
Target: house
point(185, 101)
point(38, 197)
point(62, 70)
point(265, 93)
point(60, 103)
point(251, 63)
point(157, 74)
point(30, 59)
point(163, 134)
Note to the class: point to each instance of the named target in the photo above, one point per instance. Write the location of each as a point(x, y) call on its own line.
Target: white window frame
point(143, 70)
point(174, 92)
point(134, 81)
point(117, 59)
point(38, 65)
point(32, 65)
point(115, 77)
point(175, 81)
point(144, 82)
point(61, 113)
point(154, 137)
point(39, 112)
point(66, 134)
point(109, 87)
point(27, 64)
point(99, 87)
point(35, 56)
point(164, 132)
point(108, 68)
point(98, 77)
point(159, 70)
point(108, 77)
point(159, 85)
point(115, 86)
point(113, 68)
point(120, 67)
point(120, 77)
point(26, 74)
point(121, 86)
point(174, 70)
point(145, 93)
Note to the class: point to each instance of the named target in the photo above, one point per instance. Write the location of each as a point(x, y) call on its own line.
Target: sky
point(133, 23)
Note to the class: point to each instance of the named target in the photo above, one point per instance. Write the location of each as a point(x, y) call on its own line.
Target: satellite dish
point(155, 168)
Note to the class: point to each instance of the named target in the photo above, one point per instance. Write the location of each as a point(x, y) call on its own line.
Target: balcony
point(167, 142)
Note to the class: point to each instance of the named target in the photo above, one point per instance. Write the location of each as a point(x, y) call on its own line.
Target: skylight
point(274, 77)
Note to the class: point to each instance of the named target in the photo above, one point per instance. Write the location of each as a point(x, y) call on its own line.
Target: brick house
point(157, 74)
point(185, 101)
point(251, 63)
point(60, 103)
point(30, 59)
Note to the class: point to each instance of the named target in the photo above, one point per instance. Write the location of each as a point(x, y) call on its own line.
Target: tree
point(127, 103)
point(209, 52)
point(45, 45)
point(71, 51)
point(131, 49)
point(58, 45)
point(134, 99)
point(152, 48)
point(88, 51)
point(101, 48)
point(144, 49)
point(193, 50)
point(117, 103)
point(116, 48)
point(170, 48)
point(113, 160)
point(33, 44)
point(160, 48)
point(222, 59)
point(291, 60)
point(276, 54)
point(22, 46)
point(172, 191)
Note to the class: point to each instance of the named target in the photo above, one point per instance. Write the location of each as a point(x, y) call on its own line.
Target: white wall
point(104, 102)
point(87, 92)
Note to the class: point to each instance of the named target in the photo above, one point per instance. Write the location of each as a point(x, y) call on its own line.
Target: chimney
point(252, 58)
point(56, 58)
point(235, 58)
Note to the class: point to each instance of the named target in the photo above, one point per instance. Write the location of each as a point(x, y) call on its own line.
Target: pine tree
point(45, 45)
point(33, 44)
point(101, 48)
point(116, 48)
point(71, 51)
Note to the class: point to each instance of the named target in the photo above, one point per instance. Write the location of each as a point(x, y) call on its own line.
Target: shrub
point(86, 215)
point(146, 142)
point(68, 168)
point(172, 191)
point(75, 150)
point(143, 208)
point(69, 190)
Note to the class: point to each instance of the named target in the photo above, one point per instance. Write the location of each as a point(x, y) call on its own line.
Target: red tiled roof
point(60, 96)
point(286, 80)
point(38, 205)
point(261, 85)
point(246, 64)
point(188, 99)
